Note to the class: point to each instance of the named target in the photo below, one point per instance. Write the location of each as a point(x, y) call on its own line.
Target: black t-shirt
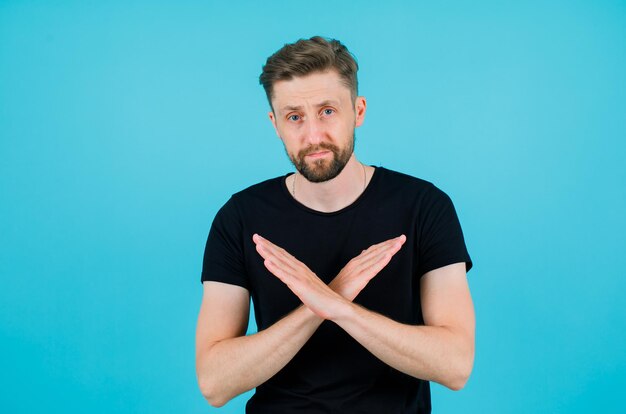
point(333, 373)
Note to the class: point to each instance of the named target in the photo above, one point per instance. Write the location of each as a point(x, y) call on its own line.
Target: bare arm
point(229, 363)
point(441, 351)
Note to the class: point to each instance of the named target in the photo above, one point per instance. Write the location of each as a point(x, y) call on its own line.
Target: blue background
point(124, 126)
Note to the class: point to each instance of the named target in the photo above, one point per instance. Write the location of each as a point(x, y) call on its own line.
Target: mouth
point(318, 154)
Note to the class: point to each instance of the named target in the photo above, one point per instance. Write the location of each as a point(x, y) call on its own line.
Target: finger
point(294, 283)
point(273, 248)
point(386, 255)
point(278, 271)
point(360, 270)
point(370, 252)
point(259, 240)
point(374, 250)
point(375, 261)
point(372, 266)
point(288, 271)
point(388, 250)
point(378, 265)
point(268, 253)
point(385, 244)
point(279, 256)
point(367, 257)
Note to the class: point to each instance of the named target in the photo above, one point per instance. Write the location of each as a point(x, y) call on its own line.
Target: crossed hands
point(324, 300)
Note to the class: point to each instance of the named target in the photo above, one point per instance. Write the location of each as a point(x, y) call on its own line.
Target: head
point(312, 87)
point(308, 56)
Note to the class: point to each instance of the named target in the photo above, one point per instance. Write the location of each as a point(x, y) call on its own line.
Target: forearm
point(433, 353)
point(235, 365)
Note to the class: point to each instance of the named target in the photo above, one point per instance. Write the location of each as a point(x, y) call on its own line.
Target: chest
point(326, 244)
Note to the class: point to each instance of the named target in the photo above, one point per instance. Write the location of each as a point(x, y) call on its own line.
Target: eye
point(294, 117)
point(328, 111)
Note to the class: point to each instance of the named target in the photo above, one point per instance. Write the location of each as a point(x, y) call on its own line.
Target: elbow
point(460, 375)
point(458, 383)
point(211, 385)
point(211, 392)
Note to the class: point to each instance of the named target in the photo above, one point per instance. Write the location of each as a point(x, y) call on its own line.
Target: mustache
point(316, 148)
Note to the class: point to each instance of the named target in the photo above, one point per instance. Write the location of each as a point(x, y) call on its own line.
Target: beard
point(322, 170)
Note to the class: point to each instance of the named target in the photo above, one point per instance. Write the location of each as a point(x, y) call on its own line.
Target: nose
point(315, 131)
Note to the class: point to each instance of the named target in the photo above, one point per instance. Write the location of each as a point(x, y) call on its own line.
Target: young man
point(357, 273)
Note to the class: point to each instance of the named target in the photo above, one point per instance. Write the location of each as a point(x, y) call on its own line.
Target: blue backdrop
point(124, 126)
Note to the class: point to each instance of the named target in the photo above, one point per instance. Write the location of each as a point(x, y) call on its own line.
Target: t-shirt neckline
point(372, 184)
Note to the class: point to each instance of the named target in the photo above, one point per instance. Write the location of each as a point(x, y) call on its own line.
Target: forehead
point(309, 89)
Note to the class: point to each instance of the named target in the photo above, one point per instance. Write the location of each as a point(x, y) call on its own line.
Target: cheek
point(346, 130)
point(291, 145)
point(291, 136)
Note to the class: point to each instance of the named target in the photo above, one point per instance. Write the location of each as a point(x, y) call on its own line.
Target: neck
point(335, 194)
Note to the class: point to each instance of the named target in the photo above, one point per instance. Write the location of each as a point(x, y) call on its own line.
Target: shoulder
point(264, 189)
point(408, 185)
point(255, 198)
point(246, 205)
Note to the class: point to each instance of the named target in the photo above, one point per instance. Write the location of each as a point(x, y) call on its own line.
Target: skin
point(309, 111)
point(229, 363)
point(312, 110)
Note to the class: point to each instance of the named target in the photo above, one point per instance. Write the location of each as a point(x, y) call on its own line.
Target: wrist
point(343, 310)
point(307, 315)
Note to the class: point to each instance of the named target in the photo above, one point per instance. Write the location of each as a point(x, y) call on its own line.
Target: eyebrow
point(319, 105)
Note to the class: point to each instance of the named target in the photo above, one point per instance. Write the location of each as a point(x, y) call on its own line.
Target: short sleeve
point(441, 240)
point(223, 253)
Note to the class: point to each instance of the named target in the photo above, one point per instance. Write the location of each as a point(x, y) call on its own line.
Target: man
point(357, 273)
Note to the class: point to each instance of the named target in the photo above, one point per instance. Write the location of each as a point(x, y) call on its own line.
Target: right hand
point(360, 270)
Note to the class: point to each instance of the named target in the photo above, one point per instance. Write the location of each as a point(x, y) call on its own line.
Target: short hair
point(307, 56)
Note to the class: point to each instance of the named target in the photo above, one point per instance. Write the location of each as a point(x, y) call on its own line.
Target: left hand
point(305, 284)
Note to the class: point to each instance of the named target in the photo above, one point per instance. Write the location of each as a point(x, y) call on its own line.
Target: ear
point(360, 105)
point(273, 119)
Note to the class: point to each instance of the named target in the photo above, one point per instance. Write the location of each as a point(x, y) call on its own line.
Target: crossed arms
point(229, 363)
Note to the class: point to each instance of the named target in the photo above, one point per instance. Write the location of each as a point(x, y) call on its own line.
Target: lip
point(318, 154)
